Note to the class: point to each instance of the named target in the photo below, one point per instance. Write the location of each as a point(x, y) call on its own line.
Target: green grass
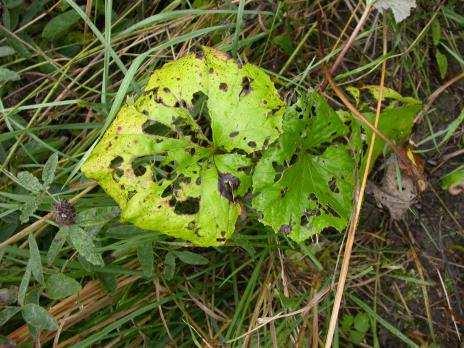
point(151, 291)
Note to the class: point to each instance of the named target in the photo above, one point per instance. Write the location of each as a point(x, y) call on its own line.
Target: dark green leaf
point(38, 317)
point(48, 172)
point(191, 258)
point(60, 25)
point(8, 75)
point(84, 245)
point(362, 322)
point(6, 51)
point(35, 260)
point(59, 286)
point(169, 265)
point(29, 182)
point(57, 244)
point(7, 313)
point(146, 258)
point(24, 284)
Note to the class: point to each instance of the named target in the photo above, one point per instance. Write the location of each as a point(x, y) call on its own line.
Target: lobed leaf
point(178, 158)
point(304, 182)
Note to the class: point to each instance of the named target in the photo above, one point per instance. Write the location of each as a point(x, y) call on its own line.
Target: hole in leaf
point(115, 164)
point(200, 113)
point(333, 185)
point(246, 86)
point(190, 206)
point(155, 128)
point(139, 165)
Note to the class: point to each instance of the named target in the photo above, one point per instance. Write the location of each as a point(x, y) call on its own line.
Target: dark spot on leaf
point(285, 229)
point(198, 181)
point(304, 220)
point(131, 194)
point(227, 184)
point(246, 86)
point(145, 112)
point(283, 192)
point(233, 134)
point(252, 144)
point(211, 70)
point(180, 104)
point(313, 110)
point(223, 86)
point(246, 170)
point(166, 90)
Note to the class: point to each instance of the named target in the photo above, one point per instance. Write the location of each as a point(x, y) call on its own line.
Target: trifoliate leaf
point(146, 258)
point(83, 243)
point(8, 75)
point(57, 244)
point(191, 258)
point(7, 313)
point(35, 260)
point(169, 265)
point(29, 182)
point(304, 182)
point(401, 8)
point(28, 208)
point(178, 158)
point(59, 286)
point(6, 51)
point(38, 317)
point(48, 172)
